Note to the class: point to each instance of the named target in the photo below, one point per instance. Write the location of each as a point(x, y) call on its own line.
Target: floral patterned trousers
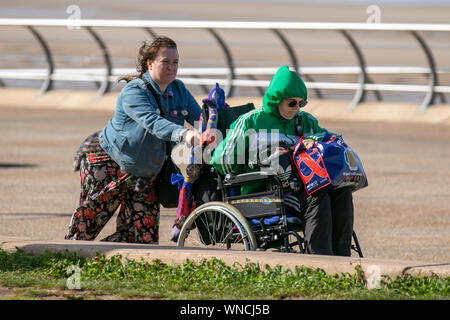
point(106, 188)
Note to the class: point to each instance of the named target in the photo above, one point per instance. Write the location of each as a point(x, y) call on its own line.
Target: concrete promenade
point(402, 218)
point(322, 109)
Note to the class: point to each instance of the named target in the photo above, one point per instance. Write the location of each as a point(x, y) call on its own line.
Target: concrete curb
point(175, 255)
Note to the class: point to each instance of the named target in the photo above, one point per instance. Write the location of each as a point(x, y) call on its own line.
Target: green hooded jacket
point(264, 126)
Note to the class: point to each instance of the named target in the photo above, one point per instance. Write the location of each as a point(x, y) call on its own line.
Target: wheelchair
point(225, 219)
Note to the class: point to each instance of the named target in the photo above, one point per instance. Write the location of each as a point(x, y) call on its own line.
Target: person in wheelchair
point(327, 214)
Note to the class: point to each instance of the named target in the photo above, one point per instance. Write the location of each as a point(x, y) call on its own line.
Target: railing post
point(108, 65)
point(48, 83)
point(294, 60)
point(152, 33)
point(432, 77)
point(360, 93)
point(231, 74)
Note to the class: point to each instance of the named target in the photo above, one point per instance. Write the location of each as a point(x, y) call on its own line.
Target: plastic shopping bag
point(330, 163)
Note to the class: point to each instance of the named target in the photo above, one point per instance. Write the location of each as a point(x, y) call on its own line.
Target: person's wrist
point(183, 135)
point(188, 137)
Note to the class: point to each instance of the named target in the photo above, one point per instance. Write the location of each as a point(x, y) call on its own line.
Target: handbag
point(168, 193)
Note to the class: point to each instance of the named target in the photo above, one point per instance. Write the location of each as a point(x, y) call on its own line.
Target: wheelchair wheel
point(219, 225)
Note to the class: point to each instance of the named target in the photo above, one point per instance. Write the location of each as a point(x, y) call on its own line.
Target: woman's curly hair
point(149, 51)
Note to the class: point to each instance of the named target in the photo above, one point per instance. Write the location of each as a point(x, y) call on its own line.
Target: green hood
point(284, 84)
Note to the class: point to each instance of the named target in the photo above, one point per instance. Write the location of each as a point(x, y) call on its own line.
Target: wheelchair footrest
point(258, 207)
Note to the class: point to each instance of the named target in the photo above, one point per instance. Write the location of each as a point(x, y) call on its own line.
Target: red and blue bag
point(311, 168)
point(330, 163)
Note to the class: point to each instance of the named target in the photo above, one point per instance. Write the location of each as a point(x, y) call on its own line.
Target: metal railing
point(196, 76)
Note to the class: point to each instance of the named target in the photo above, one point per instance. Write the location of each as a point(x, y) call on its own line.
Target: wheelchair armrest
point(247, 177)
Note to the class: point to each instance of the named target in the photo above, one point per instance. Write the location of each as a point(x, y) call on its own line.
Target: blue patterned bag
point(342, 165)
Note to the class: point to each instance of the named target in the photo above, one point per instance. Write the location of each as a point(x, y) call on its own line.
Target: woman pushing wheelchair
point(327, 213)
point(119, 165)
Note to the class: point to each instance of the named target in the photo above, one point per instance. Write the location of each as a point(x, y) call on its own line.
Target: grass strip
point(70, 276)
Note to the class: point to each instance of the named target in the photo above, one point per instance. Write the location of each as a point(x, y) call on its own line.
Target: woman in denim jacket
point(132, 148)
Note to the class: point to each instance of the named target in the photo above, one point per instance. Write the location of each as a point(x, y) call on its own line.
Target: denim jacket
point(135, 137)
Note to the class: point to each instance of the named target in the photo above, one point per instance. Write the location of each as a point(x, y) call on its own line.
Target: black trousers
point(328, 220)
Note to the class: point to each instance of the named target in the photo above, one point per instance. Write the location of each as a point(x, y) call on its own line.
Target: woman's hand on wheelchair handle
point(190, 137)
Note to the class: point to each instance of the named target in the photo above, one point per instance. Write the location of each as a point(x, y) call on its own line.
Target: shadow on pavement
point(6, 165)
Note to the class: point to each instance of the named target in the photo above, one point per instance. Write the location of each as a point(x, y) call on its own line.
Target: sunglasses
point(294, 103)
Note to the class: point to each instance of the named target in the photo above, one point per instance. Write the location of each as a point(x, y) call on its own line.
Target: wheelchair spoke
point(218, 231)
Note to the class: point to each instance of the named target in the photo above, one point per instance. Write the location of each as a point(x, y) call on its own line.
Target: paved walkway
point(402, 220)
point(322, 109)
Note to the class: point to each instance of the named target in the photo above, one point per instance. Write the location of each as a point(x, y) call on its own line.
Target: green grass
point(46, 275)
